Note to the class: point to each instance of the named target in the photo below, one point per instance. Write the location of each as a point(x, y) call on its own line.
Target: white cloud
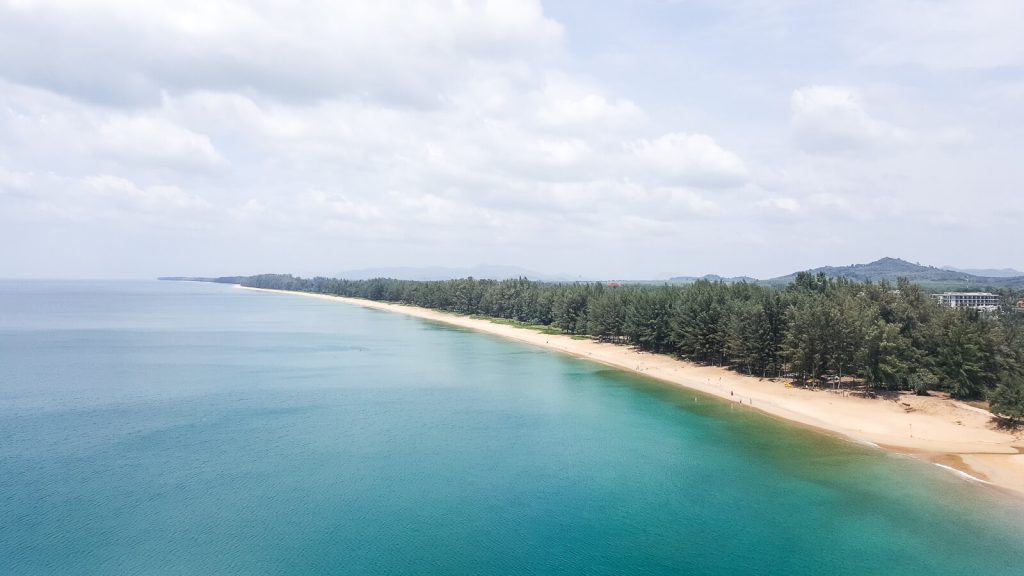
point(829, 119)
point(408, 52)
point(438, 132)
point(98, 198)
point(340, 207)
point(784, 204)
point(564, 102)
point(684, 203)
point(156, 139)
point(693, 159)
point(52, 130)
point(11, 182)
point(120, 194)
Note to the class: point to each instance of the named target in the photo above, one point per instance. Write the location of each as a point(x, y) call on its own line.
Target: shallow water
point(180, 428)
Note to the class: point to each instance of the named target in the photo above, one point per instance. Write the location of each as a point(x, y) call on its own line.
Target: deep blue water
point(179, 428)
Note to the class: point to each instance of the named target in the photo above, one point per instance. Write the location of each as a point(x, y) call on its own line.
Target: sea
point(178, 428)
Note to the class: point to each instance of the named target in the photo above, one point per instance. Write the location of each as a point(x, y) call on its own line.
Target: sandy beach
point(946, 432)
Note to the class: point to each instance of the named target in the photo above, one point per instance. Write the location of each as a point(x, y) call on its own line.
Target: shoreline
point(950, 434)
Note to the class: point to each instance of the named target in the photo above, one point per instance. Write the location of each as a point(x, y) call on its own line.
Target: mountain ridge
point(987, 272)
point(892, 269)
point(888, 269)
point(884, 269)
point(434, 273)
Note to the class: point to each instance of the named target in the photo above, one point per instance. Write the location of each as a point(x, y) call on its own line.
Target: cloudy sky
point(633, 139)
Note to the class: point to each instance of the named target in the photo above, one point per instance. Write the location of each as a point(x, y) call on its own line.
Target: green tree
point(698, 324)
point(646, 322)
point(606, 314)
point(805, 343)
point(964, 356)
point(1007, 400)
point(887, 351)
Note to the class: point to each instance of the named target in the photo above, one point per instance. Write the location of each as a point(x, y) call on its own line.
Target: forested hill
point(890, 336)
point(892, 269)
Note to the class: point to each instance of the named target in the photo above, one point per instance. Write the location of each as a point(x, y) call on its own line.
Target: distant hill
point(988, 272)
point(483, 271)
point(713, 278)
point(884, 269)
point(218, 279)
point(894, 268)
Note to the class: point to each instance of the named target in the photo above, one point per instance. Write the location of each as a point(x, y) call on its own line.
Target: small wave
point(865, 443)
point(960, 473)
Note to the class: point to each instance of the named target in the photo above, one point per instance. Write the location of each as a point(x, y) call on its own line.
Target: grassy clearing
point(550, 330)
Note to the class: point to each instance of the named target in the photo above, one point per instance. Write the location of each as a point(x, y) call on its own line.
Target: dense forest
point(817, 330)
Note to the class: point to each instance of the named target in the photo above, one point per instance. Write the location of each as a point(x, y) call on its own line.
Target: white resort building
point(983, 300)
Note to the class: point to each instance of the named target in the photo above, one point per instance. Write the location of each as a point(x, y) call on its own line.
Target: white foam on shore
point(961, 473)
point(865, 443)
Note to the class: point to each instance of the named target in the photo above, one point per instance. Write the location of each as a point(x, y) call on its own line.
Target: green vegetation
point(542, 328)
point(1007, 400)
point(816, 329)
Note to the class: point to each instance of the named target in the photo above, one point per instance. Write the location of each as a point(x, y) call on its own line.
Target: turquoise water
point(178, 428)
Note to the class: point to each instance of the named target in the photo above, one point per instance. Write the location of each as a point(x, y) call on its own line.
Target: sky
point(638, 139)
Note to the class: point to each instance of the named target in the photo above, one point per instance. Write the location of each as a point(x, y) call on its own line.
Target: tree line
point(818, 329)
